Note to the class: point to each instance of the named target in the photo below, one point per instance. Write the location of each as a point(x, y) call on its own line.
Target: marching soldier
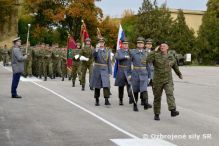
point(76, 63)
point(163, 63)
point(102, 69)
point(5, 56)
point(47, 63)
point(139, 76)
point(124, 71)
point(28, 64)
point(87, 62)
point(63, 63)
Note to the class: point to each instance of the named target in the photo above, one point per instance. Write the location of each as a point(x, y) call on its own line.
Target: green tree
point(208, 35)
point(153, 22)
point(182, 37)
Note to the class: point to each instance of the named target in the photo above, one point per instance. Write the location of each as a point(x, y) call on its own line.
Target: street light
point(28, 34)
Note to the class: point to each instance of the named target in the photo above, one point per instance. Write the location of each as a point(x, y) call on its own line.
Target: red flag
point(84, 32)
point(71, 44)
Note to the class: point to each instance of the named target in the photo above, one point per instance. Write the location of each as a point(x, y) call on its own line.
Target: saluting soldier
point(87, 61)
point(101, 72)
point(76, 63)
point(163, 64)
point(140, 74)
point(124, 71)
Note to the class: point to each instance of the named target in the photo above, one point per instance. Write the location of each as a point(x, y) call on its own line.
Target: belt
point(122, 66)
point(100, 64)
point(139, 67)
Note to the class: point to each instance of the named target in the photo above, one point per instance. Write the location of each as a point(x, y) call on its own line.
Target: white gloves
point(111, 56)
point(77, 56)
point(82, 58)
point(25, 56)
point(127, 57)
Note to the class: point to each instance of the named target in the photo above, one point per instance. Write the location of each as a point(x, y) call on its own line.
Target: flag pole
point(28, 35)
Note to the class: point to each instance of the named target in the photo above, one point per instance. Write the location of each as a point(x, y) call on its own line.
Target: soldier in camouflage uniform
point(47, 63)
point(87, 61)
point(28, 64)
point(63, 63)
point(163, 64)
point(75, 63)
point(5, 56)
point(39, 53)
point(56, 62)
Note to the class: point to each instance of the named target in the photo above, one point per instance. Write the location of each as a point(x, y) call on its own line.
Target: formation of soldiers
point(137, 69)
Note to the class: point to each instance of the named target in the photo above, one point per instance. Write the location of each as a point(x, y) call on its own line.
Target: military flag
point(71, 44)
point(84, 33)
point(121, 37)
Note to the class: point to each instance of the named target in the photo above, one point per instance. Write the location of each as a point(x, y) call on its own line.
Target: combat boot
point(45, 79)
point(156, 117)
point(97, 102)
point(83, 87)
point(120, 101)
point(135, 107)
point(73, 83)
point(147, 105)
point(174, 113)
point(62, 78)
point(130, 100)
point(107, 101)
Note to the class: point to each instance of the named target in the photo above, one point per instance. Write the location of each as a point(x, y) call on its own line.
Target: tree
point(182, 37)
point(153, 22)
point(65, 15)
point(208, 35)
point(109, 31)
point(6, 7)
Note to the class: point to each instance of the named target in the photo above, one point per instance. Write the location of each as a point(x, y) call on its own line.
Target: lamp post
point(28, 35)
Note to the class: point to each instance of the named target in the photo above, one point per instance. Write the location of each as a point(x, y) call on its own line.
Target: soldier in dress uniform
point(140, 74)
point(124, 71)
point(101, 72)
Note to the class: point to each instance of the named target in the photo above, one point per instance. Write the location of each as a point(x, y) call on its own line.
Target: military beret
point(140, 40)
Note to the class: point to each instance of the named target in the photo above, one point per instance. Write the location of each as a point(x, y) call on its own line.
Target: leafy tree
point(182, 39)
point(208, 35)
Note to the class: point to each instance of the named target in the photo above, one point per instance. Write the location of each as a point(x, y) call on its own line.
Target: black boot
point(107, 101)
point(83, 87)
point(73, 83)
point(147, 105)
point(156, 117)
point(40, 77)
point(142, 102)
point(174, 113)
point(135, 107)
point(63, 79)
point(45, 78)
point(120, 101)
point(130, 100)
point(91, 88)
point(97, 102)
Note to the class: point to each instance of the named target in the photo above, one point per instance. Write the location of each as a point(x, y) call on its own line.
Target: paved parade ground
point(53, 113)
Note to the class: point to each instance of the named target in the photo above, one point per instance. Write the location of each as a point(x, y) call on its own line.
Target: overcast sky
point(114, 8)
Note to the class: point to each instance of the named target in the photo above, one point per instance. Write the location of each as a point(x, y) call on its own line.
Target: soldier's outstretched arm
point(176, 69)
point(119, 56)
